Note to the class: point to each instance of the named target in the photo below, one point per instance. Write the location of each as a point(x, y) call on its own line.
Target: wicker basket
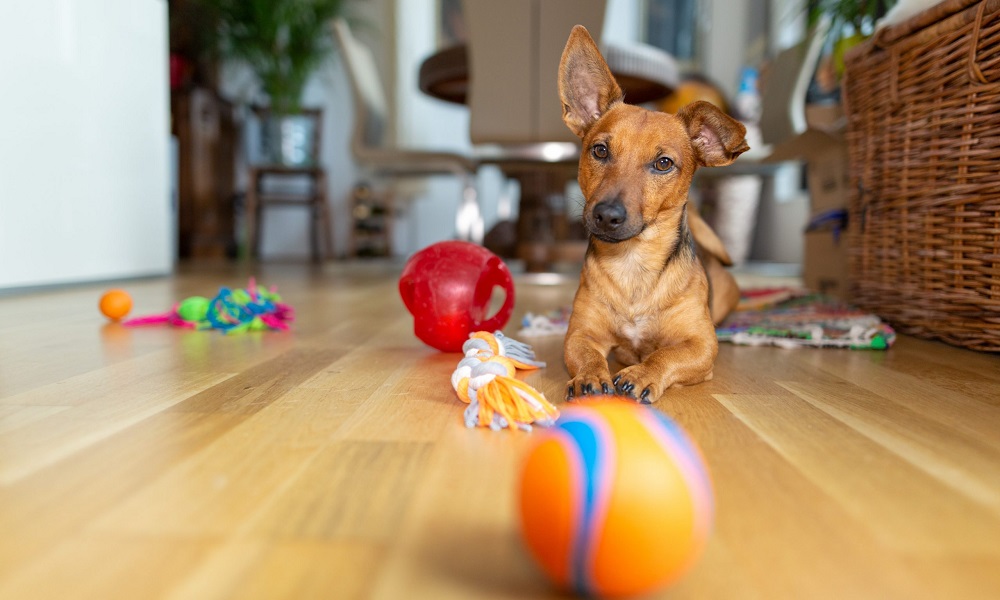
point(923, 105)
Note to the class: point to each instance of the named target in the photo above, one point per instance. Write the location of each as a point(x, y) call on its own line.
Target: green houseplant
point(851, 22)
point(282, 42)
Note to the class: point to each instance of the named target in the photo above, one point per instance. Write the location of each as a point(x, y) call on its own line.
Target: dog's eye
point(663, 164)
point(600, 151)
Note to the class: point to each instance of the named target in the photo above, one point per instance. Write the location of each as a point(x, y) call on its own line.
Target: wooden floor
point(331, 462)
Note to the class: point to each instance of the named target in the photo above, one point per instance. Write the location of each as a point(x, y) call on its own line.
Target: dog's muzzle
point(608, 221)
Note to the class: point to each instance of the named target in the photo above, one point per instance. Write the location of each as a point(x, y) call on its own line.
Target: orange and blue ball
point(615, 500)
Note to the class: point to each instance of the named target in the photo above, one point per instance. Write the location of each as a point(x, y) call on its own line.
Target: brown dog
point(644, 293)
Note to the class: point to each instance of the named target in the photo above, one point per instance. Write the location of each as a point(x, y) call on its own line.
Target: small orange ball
point(115, 304)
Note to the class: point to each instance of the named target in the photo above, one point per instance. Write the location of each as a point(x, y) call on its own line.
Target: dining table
point(644, 73)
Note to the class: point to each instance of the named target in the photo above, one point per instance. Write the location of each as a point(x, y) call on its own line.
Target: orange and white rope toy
point(485, 381)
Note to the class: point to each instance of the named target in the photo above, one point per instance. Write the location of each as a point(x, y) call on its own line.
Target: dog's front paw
point(583, 385)
point(635, 383)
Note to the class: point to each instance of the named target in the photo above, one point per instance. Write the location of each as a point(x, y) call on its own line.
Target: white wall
point(84, 141)
point(622, 21)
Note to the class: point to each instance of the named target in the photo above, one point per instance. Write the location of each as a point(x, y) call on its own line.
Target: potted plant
point(283, 42)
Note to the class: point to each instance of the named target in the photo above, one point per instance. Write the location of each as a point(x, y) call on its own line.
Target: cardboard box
point(827, 175)
point(824, 150)
point(825, 155)
point(825, 266)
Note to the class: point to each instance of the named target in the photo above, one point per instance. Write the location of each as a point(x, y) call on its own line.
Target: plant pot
point(289, 140)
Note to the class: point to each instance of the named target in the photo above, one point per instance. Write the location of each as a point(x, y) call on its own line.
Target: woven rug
point(797, 319)
point(785, 317)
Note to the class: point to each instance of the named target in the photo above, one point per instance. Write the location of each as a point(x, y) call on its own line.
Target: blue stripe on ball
point(595, 447)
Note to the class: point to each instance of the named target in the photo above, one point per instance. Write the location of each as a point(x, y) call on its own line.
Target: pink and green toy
point(255, 308)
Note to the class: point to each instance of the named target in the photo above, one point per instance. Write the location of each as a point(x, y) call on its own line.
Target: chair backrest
point(514, 51)
point(370, 106)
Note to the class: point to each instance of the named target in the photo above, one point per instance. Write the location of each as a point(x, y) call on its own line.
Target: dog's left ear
point(586, 86)
point(717, 138)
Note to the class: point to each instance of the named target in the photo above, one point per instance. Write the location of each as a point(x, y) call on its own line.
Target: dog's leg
point(587, 363)
point(686, 363)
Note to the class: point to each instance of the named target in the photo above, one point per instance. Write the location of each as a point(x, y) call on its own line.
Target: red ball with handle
point(447, 288)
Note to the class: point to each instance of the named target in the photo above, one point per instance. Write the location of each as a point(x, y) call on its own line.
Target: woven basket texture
point(923, 105)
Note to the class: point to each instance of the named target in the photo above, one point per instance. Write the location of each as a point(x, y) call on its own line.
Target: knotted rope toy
point(485, 380)
point(255, 308)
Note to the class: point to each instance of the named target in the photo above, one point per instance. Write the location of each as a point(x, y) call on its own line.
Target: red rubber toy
point(447, 288)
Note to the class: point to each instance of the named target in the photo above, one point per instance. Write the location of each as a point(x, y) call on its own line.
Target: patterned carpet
point(785, 317)
point(793, 318)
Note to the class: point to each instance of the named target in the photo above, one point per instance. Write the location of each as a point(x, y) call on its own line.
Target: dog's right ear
point(586, 86)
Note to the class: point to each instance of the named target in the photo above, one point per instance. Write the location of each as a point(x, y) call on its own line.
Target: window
point(672, 26)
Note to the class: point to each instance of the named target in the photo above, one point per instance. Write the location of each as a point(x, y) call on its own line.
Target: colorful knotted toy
point(485, 381)
point(230, 311)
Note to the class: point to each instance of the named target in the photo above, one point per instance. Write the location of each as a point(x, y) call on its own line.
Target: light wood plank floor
point(332, 462)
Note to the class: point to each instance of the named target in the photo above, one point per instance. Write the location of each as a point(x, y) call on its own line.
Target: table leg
point(544, 231)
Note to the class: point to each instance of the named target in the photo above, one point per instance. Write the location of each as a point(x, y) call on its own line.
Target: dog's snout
point(610, 221)
point(610, 214)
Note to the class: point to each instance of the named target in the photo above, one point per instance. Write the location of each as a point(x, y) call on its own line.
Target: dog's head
point(635, 163)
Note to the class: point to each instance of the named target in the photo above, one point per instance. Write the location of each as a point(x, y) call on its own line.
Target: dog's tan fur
point(644, 294)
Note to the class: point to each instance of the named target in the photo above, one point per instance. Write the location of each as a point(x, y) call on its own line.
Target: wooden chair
point(374, 151)
point(314, 197)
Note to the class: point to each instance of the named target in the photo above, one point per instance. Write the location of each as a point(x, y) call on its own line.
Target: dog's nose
point(610, 214)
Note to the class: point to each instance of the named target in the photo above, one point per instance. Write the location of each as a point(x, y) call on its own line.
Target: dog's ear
point(717, 138)
point(586, 86)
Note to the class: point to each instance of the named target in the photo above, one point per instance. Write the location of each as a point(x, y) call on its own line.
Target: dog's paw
point(634, 383)
point(582, 386)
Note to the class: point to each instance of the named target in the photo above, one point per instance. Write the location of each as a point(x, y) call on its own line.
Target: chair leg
point(326, 232)
point(252, 216)
point(314, 230)
point(258, 229)
point(324, 222)
point(389, 205)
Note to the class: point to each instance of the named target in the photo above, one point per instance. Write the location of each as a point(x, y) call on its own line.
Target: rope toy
point(485, 381)
point(255, 308)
